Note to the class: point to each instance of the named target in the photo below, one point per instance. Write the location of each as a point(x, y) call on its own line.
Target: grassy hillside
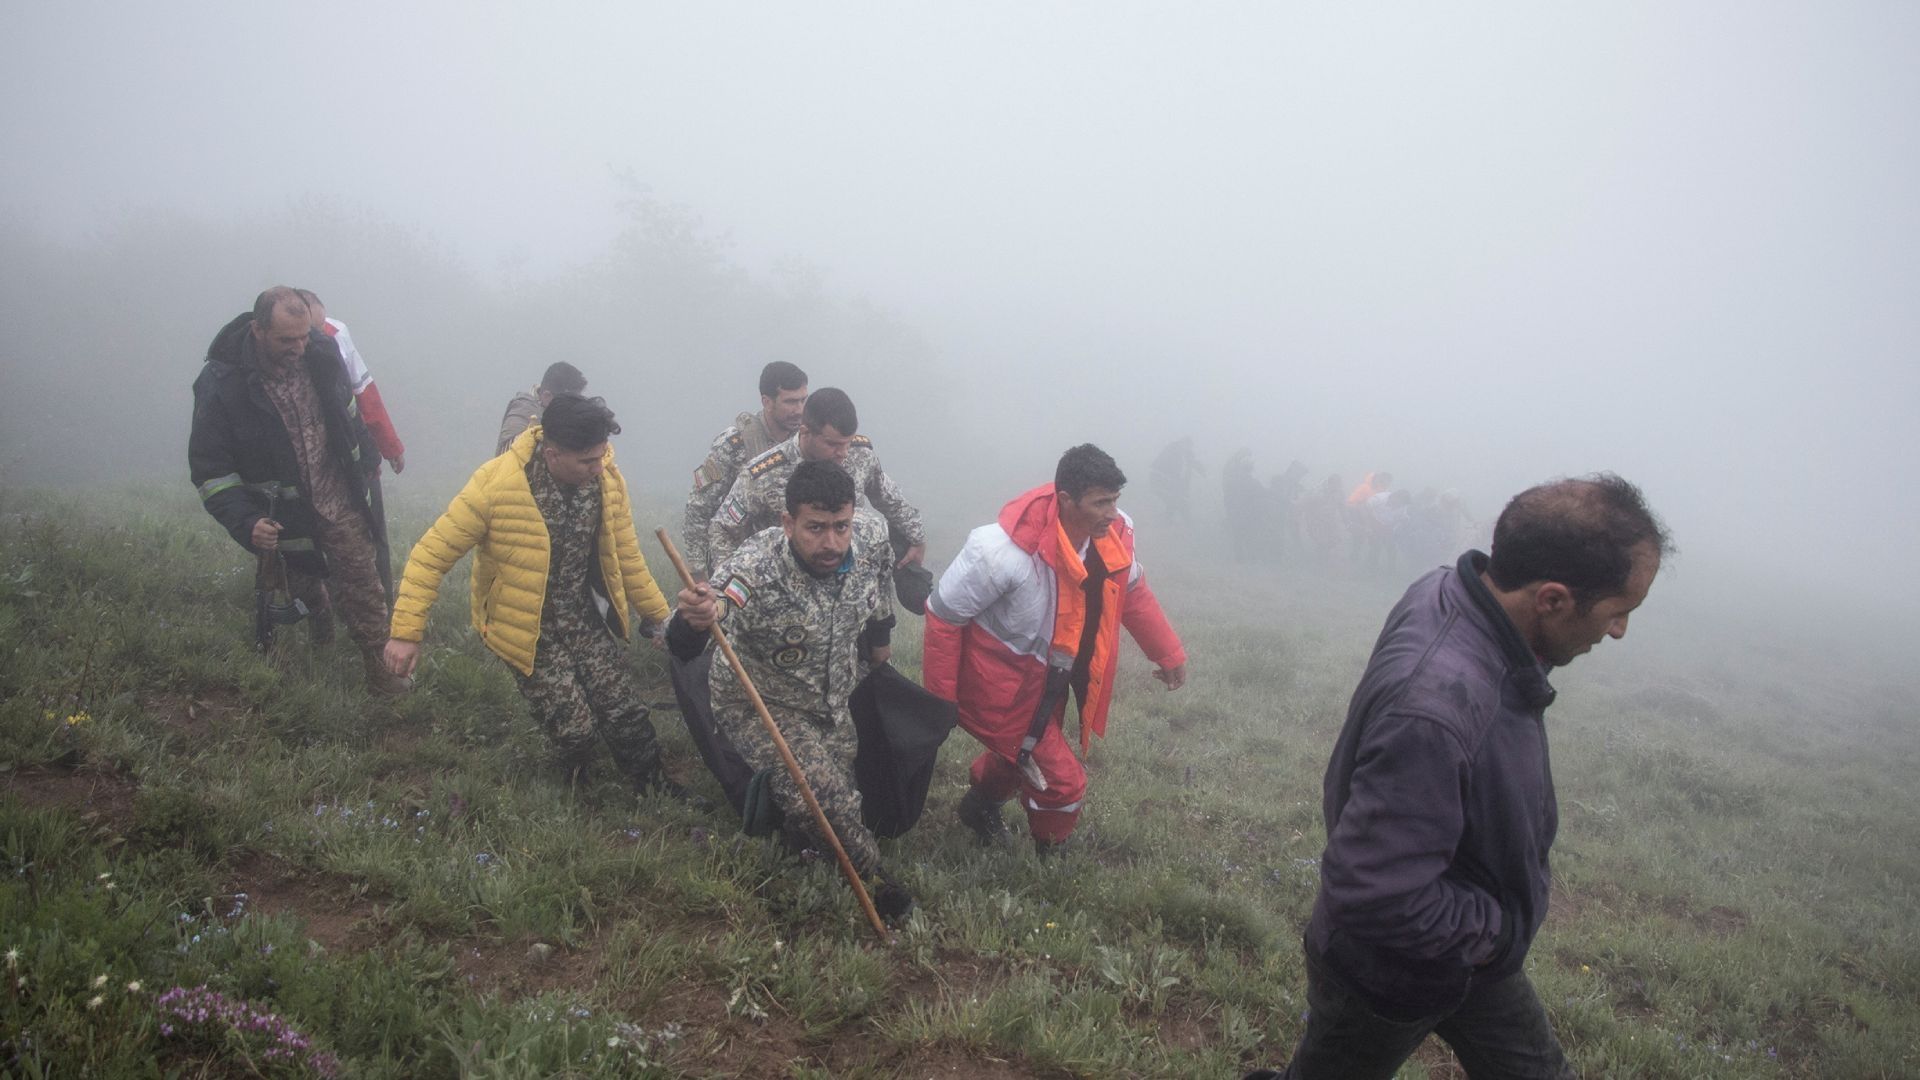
point(376, 889)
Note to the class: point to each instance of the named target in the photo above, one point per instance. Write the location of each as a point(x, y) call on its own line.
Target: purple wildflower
point(200, 1007)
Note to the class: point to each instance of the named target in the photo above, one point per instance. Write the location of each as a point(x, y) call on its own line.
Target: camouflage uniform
point(759, 495)
point(747, 439)
point(353, 552)
point(522, 413)
point(796, 635)
point(581, 682)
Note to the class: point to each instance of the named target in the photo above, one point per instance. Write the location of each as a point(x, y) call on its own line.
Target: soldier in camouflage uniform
point(783, 394)
point(826, 434)
point(555, 489)
point(524, 410)
point(795, 601)
point(581, 682)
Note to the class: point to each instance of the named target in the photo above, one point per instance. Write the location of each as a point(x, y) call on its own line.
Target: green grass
point(409, 886)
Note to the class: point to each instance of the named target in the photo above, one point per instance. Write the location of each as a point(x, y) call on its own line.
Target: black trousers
point(1500, 1032)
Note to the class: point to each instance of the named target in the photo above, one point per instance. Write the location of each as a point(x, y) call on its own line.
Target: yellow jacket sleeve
point(643, 593)
point(462, 526)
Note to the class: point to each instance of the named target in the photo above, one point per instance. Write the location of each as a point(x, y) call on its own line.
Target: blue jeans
point(1500, 1032)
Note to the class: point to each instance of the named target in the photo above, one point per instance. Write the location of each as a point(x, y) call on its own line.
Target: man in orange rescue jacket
point(1030, 609)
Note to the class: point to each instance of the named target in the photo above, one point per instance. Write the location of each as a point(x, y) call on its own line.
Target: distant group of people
point(1372, 526)
point(1438, 798)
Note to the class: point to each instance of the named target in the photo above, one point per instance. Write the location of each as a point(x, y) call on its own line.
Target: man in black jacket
point(1439, 798)
point(275, 428)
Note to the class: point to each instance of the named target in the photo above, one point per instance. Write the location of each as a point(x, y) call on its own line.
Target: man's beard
point(275, 367)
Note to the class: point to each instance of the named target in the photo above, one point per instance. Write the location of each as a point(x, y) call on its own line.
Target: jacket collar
point(1031, 518)
point(758, 418)
point(1524, 669)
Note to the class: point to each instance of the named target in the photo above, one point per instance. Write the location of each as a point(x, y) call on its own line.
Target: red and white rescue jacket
point(1016, 593)
point(373, 410)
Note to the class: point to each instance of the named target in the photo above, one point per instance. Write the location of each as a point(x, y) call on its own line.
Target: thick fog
point(1476, 247)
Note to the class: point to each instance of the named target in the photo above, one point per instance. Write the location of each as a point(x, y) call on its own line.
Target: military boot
point(891, 900)
point(982, 815)
point(659, 783)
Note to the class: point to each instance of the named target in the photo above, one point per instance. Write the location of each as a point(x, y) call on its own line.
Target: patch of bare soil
point(396, 758)
point(104, 800)
point(334, 917)
point(196, 718)
point(731, 1045)
point(962, 976)
point(517, 969)
point(939, 1061)
point(740, 1046)
point(1185, 1030)
point(749, 1048)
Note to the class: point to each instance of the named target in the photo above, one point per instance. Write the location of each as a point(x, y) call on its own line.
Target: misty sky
point(1479, 246)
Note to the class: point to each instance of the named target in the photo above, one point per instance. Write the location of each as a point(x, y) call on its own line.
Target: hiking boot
point(981, 815)
point(1048, 849)
point(380, 681)
point(661, 784)
point(891, 900)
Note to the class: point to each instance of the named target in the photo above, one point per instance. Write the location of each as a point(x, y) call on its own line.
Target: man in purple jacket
point(1439, 798)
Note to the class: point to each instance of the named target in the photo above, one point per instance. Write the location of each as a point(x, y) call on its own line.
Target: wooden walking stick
point(780, 744)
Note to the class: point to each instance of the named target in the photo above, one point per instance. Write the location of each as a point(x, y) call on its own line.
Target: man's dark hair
point(276, 297)
point(779, 376)
point(830, 405)
point(1580, 532)
point(563, 378)
point(573, 422)
point(1087, 466)
point(823, 485)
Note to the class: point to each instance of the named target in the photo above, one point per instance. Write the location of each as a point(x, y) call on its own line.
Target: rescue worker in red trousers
point(1029, 611)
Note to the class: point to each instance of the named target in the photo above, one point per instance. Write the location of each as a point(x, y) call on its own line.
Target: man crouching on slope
point(558, 566)
point(798, 601)
point(1031, 607)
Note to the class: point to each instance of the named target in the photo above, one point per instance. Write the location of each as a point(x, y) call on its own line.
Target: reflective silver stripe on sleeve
point(939, 607)
point(217, 485)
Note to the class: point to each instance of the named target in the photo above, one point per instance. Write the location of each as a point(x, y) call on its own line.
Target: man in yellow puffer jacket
point(557, 568)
